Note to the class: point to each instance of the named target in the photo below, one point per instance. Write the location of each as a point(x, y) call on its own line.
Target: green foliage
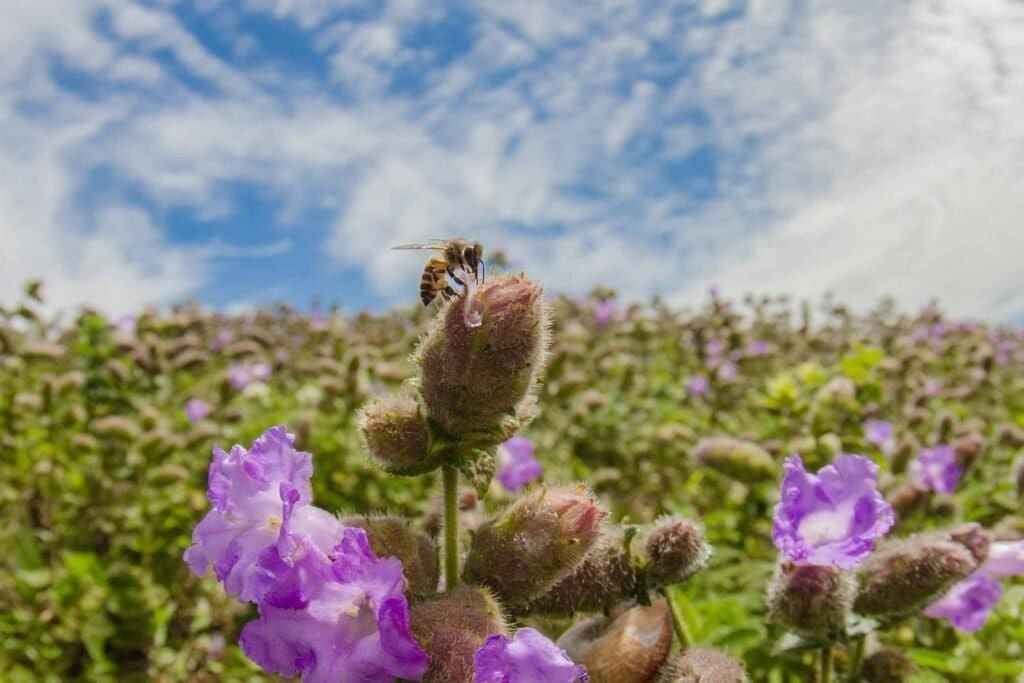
point(102, 478)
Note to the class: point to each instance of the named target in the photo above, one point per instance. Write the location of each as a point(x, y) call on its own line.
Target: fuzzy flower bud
point(395, 436)
point(452, 628)
point(742, 460)
point(394, 537)
point(675, 550)
point(535, 542)
point(626, 647)
point(811, 600)
point(887, 665)
point(473, 378)
point(702, 665)
point(602, 580)
point(906, 574)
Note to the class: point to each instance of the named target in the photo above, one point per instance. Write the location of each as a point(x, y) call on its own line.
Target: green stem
point(858, 655)
point(826, 664)
point(450, 484)
point(678, 623)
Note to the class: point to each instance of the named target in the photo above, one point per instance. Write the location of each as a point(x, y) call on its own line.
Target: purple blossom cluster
point(936, 469)
point(330, 610)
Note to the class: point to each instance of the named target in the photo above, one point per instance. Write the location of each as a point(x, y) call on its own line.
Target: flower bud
point(626, 647)
point(905, 450)
point(968, 448)
point(395, 436)
point(838, 391)
point(906, 574)
point(742, 460)
point(907, 499)
point(702, 665)
point(602, 580)
point(1010, 434)
point(451, 628)
point(474, 377)
point(811, 600)
point(675, 551)
point(535, 542)
point(887, 665)
point(394, 537)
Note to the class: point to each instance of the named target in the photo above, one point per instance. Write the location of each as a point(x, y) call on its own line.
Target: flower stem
point(450, 484)
point(826, 664)
point(858, 655)
point(678, 622)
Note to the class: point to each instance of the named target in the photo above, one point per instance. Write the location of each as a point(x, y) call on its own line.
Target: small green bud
point(837, 392)
point(602, 580)
point(906, 574)
point(626, 647)
point(115, 426)
point(887, 665)
point(967, 448)
point(451, 628)
point(702, 665)
point(394, 537)
point(811, 600)
point(907, 499)
point(1009, 434)
point(742, 460)
point(675, 551)
point(395, 436)
point(472, 378)
point(537, 541)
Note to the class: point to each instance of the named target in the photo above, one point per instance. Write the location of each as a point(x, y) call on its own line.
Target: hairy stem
point(826, 664)
point(450, 484)
point(678, 623)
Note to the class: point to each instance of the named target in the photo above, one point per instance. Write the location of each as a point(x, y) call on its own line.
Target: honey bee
point(452, 254)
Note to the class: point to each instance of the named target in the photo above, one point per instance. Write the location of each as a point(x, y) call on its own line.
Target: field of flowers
point(680, 423)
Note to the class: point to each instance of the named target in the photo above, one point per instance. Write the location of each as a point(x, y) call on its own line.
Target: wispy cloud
point(866, 148)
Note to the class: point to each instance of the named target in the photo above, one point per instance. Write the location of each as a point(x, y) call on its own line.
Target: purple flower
point(878, 432)
point(605, 312)
point(932, 387)
point(197, 409)
point(529, 657)
point(260, 371)
point(337, 617)
point(727, 371)
point(714, 350)
point(831, 518)
point(1005, 558)
point(518, 466)
point(758, 348)
point(126, 324)
point(223, 338)
point(968, 603)
point(698, 385)
point(239, 376)
point(261, 502)
point(936, 469)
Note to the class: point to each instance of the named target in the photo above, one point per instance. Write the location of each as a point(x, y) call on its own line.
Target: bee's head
point(472, 254)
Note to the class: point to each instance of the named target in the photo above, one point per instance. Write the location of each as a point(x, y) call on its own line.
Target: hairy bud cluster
point(904, 575)
point(394, 537)
point(742, 460)
point(811, 600)
point(451, 628)
point(627, 647)
point(702, 665)
point(394, 434)
point(603, 579)
point(474, 378)
point(887, 665)
point(535, 542)
point(675, 551)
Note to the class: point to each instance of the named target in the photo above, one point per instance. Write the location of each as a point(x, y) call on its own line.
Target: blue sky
point(240, 152)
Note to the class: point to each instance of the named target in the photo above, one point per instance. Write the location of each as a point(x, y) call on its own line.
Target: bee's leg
point(452, 275)
point(448, 293)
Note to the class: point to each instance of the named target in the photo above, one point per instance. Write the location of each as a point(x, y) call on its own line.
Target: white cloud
point(866, 148)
